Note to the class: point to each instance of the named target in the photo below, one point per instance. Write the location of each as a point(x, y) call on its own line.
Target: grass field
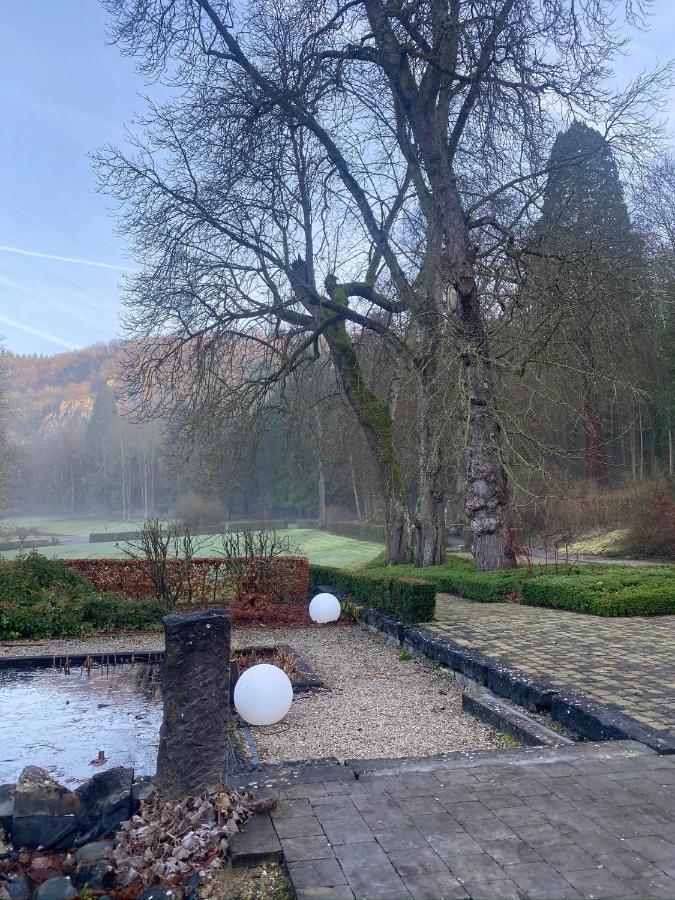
point(81, 527)
point(321, 548)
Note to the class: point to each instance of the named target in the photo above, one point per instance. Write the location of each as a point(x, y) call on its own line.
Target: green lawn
point(320, 548)
point(48, 525)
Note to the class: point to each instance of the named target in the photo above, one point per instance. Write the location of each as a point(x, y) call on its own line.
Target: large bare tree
point(335, 165)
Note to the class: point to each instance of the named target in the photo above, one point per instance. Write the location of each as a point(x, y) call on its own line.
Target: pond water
point(59, 720)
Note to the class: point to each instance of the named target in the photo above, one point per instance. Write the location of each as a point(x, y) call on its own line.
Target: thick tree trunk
point(432, 499)
point(487, 493)
point(375, 420)
point(321, 518)
point(355, 489)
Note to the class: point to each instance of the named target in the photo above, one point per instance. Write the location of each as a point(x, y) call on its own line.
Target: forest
point(586, 404)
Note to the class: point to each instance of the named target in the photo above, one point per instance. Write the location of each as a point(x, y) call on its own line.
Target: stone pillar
point(195, 684)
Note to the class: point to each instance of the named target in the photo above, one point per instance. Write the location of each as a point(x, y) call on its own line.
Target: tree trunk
point(375, 420)
point(487, 493)
point(355, 489)
point(594, 442)
point(321, 519)
point(432, 499)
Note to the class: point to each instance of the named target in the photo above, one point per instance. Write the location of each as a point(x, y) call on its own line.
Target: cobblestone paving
point(549, 825)
point(629, 662)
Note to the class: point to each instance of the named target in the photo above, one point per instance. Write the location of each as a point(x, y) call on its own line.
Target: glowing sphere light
point(324, 608)
point(263, 694)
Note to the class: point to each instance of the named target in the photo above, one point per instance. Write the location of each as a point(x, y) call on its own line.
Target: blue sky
point(63, 93)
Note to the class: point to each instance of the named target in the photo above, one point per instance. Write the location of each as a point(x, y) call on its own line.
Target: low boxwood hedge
point(410, 599)
point(602, 590)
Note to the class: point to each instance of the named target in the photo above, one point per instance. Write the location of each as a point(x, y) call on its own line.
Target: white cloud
point(66, 259)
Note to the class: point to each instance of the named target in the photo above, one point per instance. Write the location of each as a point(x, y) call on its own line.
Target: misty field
point(318, 546)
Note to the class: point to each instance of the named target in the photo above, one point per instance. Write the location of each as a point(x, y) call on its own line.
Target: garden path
point(625, 662)
point(590, 820)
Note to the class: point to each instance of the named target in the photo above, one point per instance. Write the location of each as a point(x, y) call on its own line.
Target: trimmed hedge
point(358, 531)
point(601, 590)
point(410, 599)
point(258, 579)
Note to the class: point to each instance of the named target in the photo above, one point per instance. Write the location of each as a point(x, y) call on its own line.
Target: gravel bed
point(375, 706)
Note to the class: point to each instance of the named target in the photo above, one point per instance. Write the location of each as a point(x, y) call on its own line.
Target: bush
point(410, 599)
point(359, 531)
point(603, 590)
point(650, 523)
point(268, 579)
point(43, 598)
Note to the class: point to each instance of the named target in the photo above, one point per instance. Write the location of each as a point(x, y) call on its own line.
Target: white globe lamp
point(324, 608)
point(263, 694)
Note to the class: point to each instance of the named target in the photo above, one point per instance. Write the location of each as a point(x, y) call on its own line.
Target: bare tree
point(274, 198)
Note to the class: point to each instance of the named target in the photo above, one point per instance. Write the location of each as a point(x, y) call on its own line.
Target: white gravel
point(375, 705)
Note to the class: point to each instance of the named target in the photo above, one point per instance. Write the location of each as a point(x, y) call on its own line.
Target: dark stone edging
point(569, 707)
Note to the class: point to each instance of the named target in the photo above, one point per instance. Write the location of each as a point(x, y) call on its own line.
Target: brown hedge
point(250, 580)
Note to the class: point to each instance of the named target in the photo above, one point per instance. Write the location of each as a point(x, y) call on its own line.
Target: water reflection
point(60, 719)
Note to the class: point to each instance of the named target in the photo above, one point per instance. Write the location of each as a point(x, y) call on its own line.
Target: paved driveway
point(629, 662)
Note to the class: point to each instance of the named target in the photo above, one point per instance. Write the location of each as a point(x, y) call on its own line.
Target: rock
point(105, 802)
point(45, 812)
point(99, 874)
point(93, 852)
point(7, 792)
point(161, 893)
point(140, 791)
point(55, 889)
point(195, 688)
point(5, 846)
point(18, 888)
point(4, 893)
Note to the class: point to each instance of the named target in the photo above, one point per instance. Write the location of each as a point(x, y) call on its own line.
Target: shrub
point(42, 598)
point(650, 522)
point(197, 510)
point(359, 531)
point(410, 599)
point(603, 590)
point(264, 580)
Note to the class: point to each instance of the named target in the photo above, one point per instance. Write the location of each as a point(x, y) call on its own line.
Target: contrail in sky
point(37, 333)
point(66, 259)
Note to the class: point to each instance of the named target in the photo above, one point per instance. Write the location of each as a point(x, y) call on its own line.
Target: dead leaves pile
point(169, 841)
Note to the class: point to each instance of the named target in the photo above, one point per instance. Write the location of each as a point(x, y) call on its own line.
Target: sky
point(64, 92)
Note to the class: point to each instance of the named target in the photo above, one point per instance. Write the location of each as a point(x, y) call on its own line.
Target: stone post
point(195, 683)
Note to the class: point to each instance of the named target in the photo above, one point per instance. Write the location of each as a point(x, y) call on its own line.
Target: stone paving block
point(653, 887)
point(471, 811)
point(337, 812)
point(404, 838)
point(475, 865)
point(377, 883)
point(298, 826)
point(421, 806)
point(301, 791)
point(353, 857)
point(566, 856)
point(437, 886)
point(417, 863)
point(349, 832)
point(316, 873)
point(630, 865)
point(287, 808)
point(652, 848)
point(596, 883)
point(512, 851)
point(489, 830)
point(491, 889)
point(537, 877)
point(450, 846)
point(438, 823)
point(306, 848)
point(255, 842)
point(381, 819)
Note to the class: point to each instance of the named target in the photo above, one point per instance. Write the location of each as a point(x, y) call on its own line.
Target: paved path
point(592, 820)
point(629, 662)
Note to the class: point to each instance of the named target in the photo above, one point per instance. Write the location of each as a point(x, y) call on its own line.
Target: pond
point(59, 719)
